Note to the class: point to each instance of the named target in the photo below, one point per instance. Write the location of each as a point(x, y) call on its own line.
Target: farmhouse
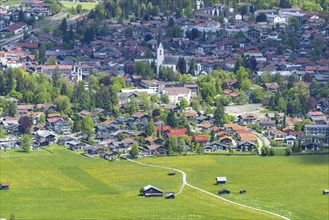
point(221, 180)
point(246, 146)
point(151, 191)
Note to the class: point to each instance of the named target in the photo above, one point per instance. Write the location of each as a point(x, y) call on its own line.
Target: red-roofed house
point(199, 138)
point(179, 132)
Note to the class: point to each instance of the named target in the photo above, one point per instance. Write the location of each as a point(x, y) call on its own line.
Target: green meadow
point(85, 5)
point(66, 185)
point(289, 186)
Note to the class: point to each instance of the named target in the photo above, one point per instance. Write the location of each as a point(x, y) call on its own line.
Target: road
point(50, 22)
point(185, 183)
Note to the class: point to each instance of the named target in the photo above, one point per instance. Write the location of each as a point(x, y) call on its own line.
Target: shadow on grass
point(313, 159)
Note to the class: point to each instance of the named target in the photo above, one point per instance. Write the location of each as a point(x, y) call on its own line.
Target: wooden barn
point(221, 180)
point(4, 186)
point(151, 191)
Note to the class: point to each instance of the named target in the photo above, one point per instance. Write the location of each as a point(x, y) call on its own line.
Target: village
point(220, 108)
point(201, 46)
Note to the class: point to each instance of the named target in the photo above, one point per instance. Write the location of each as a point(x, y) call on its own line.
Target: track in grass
point(185, 183)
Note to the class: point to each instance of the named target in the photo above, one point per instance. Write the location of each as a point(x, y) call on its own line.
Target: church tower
point(160, 57)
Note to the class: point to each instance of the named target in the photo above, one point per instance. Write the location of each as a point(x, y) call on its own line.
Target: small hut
point(221, 180)
point(4, 186)
point(242, 191)
point(170, 195)
point(326, 192)
point(224, 191)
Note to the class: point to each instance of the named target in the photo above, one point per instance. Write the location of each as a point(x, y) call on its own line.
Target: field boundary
point(204, 191)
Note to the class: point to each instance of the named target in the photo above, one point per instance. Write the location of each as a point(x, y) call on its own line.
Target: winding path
point(185, 183)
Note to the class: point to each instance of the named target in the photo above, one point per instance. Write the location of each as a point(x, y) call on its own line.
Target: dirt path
point(185, 183)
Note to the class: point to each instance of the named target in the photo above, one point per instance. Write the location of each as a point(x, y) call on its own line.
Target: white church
point(163, 61)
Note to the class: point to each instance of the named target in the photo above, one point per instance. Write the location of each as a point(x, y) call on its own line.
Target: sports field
point(65, 185)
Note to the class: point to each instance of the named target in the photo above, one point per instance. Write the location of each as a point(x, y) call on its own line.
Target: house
point(153, 140)
point(267, 124)
point(199, 138)
point(221, 180)
point(62, 127)
point(44, 137)
point(247, 119)
point(214, 146)
point(246, 146)
point(317, 130)
point(75, 145)
point(279, 135)
point(224, 191)
point(310, 146)
point(226, 140)
point(175, 94)
point(110, 155)
point(94, 151)
point(273, 87)
point(290, 140)
point(4, 186)
point(155, 149)
point(178, 132)
point(151, 191)
point(139, 116)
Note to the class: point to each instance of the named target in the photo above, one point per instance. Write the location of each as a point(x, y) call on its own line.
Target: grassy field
point(10, 2)
point(290, 186)
point(65, 185)
point(85, 5)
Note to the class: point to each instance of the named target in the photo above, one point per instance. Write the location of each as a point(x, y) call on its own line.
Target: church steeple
point(160, 57)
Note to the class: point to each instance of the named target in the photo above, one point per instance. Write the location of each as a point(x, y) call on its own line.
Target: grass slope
point(85, 5)
point(290, 186)
point(65, 185)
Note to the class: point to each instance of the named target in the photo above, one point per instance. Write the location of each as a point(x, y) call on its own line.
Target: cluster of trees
point(122, 9)
point(212, 85)
point(101, 91)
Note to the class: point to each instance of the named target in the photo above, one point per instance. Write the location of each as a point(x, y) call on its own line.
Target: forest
point(125, 9)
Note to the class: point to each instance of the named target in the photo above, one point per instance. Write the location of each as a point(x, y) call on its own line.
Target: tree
point(26, 141)
point(219, 115)
point(12, 216)
point(164, 99)
point(183, 103)
point(188, 12)
point(172, 119)
point(181, 65)
point(145, 70)
point(87, 126)
point(2, 132)
point(149, 129)
point(62, 102)
point(264, 151)
point(284, 4)
point(63, 27)
point(89, 35)
point(288, 151)
point(257, 95)
point(134, 150)
point(192, 67)
point(42, 119)
point(298, 126)
point(25, 124)
point(172, 144)
point(261, 17)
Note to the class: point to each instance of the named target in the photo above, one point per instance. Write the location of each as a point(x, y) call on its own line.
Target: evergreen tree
point(181, 65)
point(63, 27)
